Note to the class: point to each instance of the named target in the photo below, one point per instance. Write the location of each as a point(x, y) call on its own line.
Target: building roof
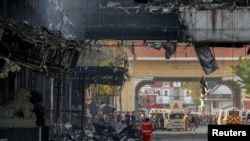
point(157, 85)
point(219, 92)
point(246, 103)
point(220, 89)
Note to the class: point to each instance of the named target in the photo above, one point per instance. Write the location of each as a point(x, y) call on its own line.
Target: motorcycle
point(108, 133)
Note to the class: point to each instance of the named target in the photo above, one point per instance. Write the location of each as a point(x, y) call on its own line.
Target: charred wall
point(32, 11)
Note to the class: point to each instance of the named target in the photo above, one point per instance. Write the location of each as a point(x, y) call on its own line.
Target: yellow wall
point(167, 68)
point(128, 96)
point(177, 68)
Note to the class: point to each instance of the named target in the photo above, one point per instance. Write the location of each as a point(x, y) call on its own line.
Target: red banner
point(156, 107)
point(149, 100)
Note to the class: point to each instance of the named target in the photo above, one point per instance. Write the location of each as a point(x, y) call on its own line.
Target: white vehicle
point(247, 118)
point(230, 115)
point(157, 111)
point(163, 112)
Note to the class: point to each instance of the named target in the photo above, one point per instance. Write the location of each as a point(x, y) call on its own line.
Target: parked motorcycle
point(71, 133)
point(108, 133)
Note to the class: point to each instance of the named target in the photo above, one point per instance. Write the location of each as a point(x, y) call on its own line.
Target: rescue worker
point(186, 122)
point(146, 129)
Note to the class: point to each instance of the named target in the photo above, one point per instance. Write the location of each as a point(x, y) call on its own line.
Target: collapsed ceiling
point(214, 22)
point(219, 23)
point(37, 48)
point(23, 45)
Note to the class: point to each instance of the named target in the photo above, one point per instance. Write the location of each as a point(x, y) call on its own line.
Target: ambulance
point(175, 119)
point(229, 116)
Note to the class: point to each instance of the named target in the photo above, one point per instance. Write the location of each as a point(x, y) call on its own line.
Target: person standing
point(119, 117)
point(192, 124)
point(146, 129)
point(123, 117)
point(186, 121)
point(163, 125)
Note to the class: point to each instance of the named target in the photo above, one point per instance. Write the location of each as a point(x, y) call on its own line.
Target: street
point(200, 135)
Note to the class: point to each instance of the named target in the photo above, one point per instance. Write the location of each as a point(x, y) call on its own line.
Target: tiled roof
point(157, 84)
point(246, 103)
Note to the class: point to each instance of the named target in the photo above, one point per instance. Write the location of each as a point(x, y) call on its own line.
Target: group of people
point(147, 124)
point(147, 127)
point(189, 122)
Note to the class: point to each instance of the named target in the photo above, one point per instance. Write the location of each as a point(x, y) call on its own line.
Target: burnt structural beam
point(111, 23)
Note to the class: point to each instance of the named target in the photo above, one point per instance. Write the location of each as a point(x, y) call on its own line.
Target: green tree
point(242, 69)
point(195, 91)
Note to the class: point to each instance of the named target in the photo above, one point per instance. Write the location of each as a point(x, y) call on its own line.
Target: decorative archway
point(236, 92)
point(232, 85)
